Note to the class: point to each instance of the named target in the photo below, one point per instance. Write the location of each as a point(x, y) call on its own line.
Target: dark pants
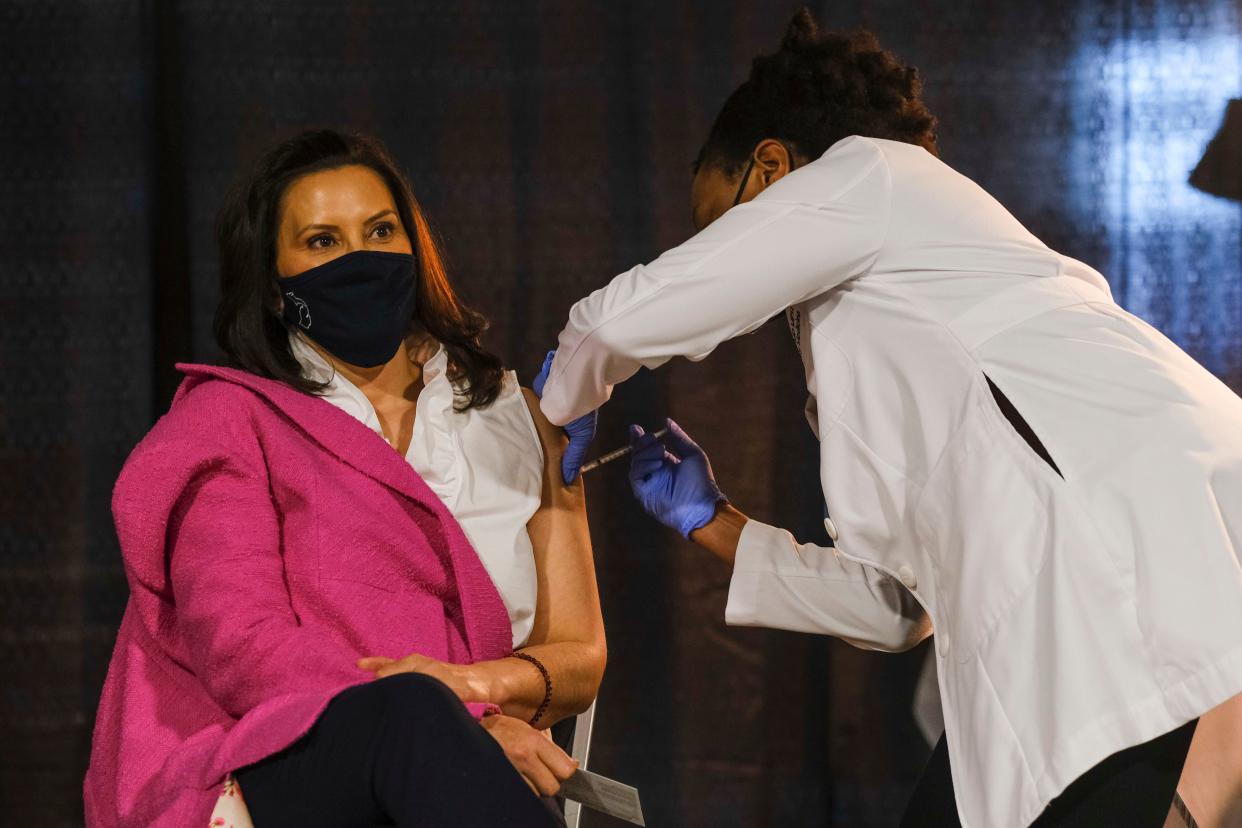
point(1132, 788)
point(397, 751)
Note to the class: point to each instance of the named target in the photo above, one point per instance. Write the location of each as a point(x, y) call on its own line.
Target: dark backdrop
point(550, 143)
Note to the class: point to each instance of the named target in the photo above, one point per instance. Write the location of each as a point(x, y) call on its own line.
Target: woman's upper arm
point(567, 607)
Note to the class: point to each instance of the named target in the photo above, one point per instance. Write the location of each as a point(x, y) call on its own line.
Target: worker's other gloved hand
point(581, 431)
point(674, 483)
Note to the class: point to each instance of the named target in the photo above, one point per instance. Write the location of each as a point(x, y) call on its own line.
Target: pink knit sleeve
point(233, 609)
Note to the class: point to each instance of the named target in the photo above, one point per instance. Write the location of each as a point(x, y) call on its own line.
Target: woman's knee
point(409, 705)
point(417, 689)
point(418, 700)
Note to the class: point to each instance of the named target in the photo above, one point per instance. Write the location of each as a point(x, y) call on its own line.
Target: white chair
point(583, 724)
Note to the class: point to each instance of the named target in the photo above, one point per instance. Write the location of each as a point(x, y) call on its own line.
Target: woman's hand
point(469, 684)
point(541, 763)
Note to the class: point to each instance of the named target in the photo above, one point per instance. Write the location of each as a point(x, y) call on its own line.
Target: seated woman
point(334, 544)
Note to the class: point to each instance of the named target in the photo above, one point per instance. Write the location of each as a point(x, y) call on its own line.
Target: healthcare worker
point(1008, 457)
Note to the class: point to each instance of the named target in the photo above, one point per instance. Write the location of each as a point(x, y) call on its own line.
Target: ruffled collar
point(345, 395)
point(432, 452)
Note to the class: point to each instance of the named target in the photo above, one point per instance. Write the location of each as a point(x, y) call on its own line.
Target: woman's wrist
point(546, 677)
point(485, 682)
point(504, 681)
point(721, 535)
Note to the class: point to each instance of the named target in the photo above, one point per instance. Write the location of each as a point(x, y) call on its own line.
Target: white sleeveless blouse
point(485, 464)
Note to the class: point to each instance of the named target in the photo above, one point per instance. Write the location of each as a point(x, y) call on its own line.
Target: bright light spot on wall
point(1153, 103)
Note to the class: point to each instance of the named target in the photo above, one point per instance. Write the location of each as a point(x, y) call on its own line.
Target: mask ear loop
point(750, 165)
point(745, 178)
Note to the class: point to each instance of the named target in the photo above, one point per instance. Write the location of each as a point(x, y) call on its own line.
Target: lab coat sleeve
point(804, 235)
point(782, 584)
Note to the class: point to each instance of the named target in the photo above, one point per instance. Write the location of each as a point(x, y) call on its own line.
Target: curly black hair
point(818, 88)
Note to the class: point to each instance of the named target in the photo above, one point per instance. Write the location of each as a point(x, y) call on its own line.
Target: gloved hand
point(674, 484)
point(581, 431)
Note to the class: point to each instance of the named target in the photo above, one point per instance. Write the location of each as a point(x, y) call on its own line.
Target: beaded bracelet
point(547, 683)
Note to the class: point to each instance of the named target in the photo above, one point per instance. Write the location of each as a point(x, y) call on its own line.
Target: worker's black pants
point(1133, 788)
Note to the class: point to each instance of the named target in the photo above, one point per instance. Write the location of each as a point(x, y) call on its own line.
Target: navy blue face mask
point(357, 306)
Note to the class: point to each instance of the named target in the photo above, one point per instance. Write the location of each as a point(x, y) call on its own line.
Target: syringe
point(613, 455)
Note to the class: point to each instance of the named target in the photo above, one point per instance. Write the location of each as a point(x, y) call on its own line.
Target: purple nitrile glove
point(674, 484)
point(581, 431)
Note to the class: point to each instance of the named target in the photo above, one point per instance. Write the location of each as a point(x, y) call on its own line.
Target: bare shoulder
point(554, 441)
point(552, 437)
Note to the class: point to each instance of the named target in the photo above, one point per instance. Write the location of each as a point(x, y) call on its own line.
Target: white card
point(604, 795)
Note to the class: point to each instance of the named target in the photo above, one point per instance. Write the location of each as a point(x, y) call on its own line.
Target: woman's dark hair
point(818, 88)
point(248, 323)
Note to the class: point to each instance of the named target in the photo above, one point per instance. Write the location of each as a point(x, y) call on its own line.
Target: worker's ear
point(773, 161)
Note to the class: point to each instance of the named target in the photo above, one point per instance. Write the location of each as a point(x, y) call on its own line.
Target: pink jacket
point(270, 540)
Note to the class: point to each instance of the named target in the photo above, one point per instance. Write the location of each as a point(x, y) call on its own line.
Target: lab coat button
point(906, 574)
point(831, 529)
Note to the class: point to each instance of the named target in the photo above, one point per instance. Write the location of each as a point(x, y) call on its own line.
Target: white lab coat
point(1074, 616)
